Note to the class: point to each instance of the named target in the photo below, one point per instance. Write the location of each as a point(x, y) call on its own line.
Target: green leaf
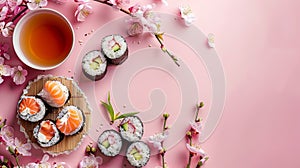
point(126, 115)
point(110, 110)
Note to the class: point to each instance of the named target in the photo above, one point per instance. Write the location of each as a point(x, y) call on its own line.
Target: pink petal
point(6, 70)
point(1, 60)
point(32, 6)
point(1, 80)
point(43, 3)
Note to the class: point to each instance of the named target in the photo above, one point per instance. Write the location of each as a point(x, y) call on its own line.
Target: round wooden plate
point(77, 98)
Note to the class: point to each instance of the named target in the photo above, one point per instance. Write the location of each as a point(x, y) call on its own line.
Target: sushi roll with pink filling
point(54, 93)
point(110, 143)
point(131, 129)
point(115, 48)
point(31, 109)
point(94, 65)
point(138, 154)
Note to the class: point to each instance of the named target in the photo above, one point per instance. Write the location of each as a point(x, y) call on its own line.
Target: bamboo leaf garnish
point(113, 117)
point(126, 115)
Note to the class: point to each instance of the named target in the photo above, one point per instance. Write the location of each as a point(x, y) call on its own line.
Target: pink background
point(258, 43)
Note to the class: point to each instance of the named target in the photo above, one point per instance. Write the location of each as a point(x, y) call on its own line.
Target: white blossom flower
point(187, 15)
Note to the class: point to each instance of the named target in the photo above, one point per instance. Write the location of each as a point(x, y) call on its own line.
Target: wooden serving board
point(77, 98)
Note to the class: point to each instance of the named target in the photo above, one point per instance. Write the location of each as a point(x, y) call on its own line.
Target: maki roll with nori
point(131, 128)
point(115, 48)
point(47, 134)
point(31, 109)
point(54, 93)
point(94, 65)
point(70, 120)
point(138, 154)
point(110, 143)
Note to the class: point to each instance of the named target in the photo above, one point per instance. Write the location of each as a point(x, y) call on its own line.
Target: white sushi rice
point(142, 149)
point(139, 129)
point(114, 147)
point(49, 99)
point(88, 60)
point(25, 115)
point(109, 41)
point(64, 116)
point(41, 138)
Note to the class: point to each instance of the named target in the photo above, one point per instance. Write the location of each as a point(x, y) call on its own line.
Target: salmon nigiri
point(47, 134)
point(54, 93)
point(70, 120)
point(31, 108)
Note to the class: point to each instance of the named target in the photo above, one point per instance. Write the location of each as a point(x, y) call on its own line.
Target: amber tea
point(45, 39)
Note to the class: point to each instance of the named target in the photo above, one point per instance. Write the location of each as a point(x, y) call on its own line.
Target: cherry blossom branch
point(164, 49)
point(197, 112)
point(163, 152)
point(20, 13)
point(106, 2)
point(189, 136)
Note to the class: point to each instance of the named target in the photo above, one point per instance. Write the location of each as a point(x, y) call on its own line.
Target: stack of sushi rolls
point(110, 143)
point(115, 48)
point(70, 120)
point(138, 154)
point(94, 65)
point(131, 129)
point(31, 108)
point(47, 134)
point(54, 93)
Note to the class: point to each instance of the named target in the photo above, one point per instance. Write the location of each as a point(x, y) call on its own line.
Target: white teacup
point(43, 39)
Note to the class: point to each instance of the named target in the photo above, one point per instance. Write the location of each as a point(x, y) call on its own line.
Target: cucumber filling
point(106, 144)
point(95, 64)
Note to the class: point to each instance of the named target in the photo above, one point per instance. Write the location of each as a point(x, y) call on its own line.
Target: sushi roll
point(115, 48)
point(54, 93)
point(31, 109)
point(47, 134)
point(70, 120)
point(94, 65)
point(138, 154)
point(131, 128)
point(110, 143)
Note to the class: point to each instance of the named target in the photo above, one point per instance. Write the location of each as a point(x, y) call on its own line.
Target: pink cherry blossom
point(143, 20)
point(35, 4)
point(14, 4)
point(43, 163)
point(3, 13)
point(7, 135)
point(19, 75)
point(135, 28)
point(196, 150)
point(90, 162)
point(196, 127)
point(187, 15)
point(119, 3)
point(83, 11)
point(3, 51)
point(7, 28)
point(157, 139)
point(5, 70)
point(22, 148)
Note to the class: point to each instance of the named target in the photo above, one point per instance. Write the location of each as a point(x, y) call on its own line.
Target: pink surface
point(258, 43)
